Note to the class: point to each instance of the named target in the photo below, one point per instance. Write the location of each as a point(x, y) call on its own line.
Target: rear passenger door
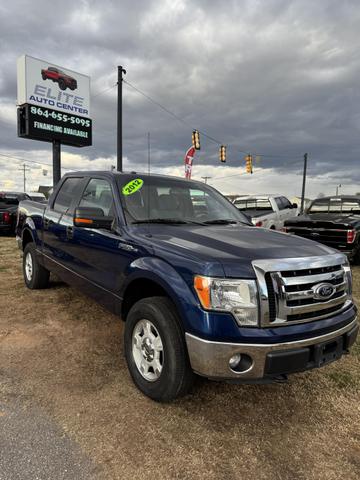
point(58, 221)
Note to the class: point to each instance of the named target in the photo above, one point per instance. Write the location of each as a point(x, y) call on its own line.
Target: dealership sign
point(54, 103)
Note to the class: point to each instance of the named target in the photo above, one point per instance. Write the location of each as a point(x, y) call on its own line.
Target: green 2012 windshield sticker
point(132, 186)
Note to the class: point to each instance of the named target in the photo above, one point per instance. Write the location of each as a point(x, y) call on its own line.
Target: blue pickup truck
point(201, 291)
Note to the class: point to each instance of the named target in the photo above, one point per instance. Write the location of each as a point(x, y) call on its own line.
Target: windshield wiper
point(220, 221)
point(170, 221)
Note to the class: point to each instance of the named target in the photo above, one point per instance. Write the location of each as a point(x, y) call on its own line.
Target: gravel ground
point(68, 408)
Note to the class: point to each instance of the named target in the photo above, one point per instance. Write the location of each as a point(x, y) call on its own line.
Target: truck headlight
point(348, 278)
point(238, 297)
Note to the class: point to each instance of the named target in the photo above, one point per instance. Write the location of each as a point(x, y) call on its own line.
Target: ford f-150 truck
point(268, 211)
point(333, 221)
point(200, 289)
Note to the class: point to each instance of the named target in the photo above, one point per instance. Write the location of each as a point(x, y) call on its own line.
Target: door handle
point(70, 232)
point(47, 222)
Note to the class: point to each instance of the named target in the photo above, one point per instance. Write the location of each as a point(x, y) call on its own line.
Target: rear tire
point(155, 350)
point(35, 275)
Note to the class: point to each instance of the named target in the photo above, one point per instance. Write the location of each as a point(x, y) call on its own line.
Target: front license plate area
point(329, 351)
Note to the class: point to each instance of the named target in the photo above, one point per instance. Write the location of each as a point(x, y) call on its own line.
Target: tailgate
point(329, 233)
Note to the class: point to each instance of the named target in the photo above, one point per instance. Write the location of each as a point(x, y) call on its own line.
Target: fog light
point(234, 361)
point(241, 363)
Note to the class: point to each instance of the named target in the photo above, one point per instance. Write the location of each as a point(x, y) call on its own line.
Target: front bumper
point(211, 359)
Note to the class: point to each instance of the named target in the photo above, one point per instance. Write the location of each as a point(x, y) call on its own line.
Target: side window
point(279, 203)
point(66, 194)
point(286, 203)
point(98, 194)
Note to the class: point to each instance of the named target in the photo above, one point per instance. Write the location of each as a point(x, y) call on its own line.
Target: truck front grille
point(289, 289)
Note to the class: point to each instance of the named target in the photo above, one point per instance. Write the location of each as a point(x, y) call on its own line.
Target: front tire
point(35, 275)
point(155, 350)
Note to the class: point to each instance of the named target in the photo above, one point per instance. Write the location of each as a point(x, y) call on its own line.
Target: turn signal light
point(81, 221)
point(350, 237)
point(259, 224)
point(202, 287)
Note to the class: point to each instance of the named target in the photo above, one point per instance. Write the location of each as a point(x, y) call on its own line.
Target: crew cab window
point(9, 199)
point(66, 194)
point(98, 194)
point(279, 203)
point(319, 206)
point(350, 206)
point(285, 202)
point(253, 204)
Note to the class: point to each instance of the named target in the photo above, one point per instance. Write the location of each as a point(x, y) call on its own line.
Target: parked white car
point(268, 211)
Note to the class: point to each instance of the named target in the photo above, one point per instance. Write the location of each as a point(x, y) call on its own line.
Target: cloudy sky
point(275, 77)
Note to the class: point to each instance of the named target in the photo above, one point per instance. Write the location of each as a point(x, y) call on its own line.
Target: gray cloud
point(275, 77)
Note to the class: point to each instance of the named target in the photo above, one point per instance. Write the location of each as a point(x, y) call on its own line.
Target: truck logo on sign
point(323, 291)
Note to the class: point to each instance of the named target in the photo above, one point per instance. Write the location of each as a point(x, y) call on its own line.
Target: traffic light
point(196, 139)
point(222, 153)
point(249, 164)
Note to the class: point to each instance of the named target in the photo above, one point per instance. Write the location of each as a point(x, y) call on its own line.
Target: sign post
point(53, 106)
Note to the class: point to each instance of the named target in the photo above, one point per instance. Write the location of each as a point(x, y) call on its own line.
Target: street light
point(337, 189)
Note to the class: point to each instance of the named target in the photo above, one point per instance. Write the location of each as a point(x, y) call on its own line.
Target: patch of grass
point(3, 268)
point(355, 349)
point(344, 379)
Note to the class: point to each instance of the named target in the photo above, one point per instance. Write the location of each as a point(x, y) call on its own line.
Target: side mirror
point(91, 217)
point(295, 205)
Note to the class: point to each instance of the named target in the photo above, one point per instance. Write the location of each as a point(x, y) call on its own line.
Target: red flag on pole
point(189, 161)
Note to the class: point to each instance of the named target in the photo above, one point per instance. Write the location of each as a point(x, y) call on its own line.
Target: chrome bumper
point(211, 359)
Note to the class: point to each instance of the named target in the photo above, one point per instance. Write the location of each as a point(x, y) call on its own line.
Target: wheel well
point(272, 227)
point(138, 289)
point(26, 238)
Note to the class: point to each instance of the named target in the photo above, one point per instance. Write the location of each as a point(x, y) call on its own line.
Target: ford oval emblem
point(323, 291)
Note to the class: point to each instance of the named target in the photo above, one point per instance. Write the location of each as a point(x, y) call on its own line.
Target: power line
point(25, 160)
point(103, 91)
point(155, 102)
point(209, 137)
point(259, 173)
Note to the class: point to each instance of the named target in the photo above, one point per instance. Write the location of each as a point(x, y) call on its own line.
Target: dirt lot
point(61, 353)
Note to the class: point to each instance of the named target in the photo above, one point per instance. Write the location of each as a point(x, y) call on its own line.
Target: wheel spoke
point(157, 343)
point(144, 366)
point(137, 341)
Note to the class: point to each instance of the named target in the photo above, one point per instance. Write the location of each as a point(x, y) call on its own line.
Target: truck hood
point(323, 220)
point(234, 247)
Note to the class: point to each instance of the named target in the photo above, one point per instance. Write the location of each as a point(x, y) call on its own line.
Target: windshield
point(170, 200)
point(336, 205)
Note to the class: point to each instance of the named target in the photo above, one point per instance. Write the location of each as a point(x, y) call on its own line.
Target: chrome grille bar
point(280, 284)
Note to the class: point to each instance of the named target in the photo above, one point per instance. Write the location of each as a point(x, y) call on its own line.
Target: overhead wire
point(209, 137)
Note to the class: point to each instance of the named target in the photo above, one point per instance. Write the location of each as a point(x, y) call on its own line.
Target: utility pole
point(121, 70)
point(25, 169)
point(303, 184)
point(206, 179)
